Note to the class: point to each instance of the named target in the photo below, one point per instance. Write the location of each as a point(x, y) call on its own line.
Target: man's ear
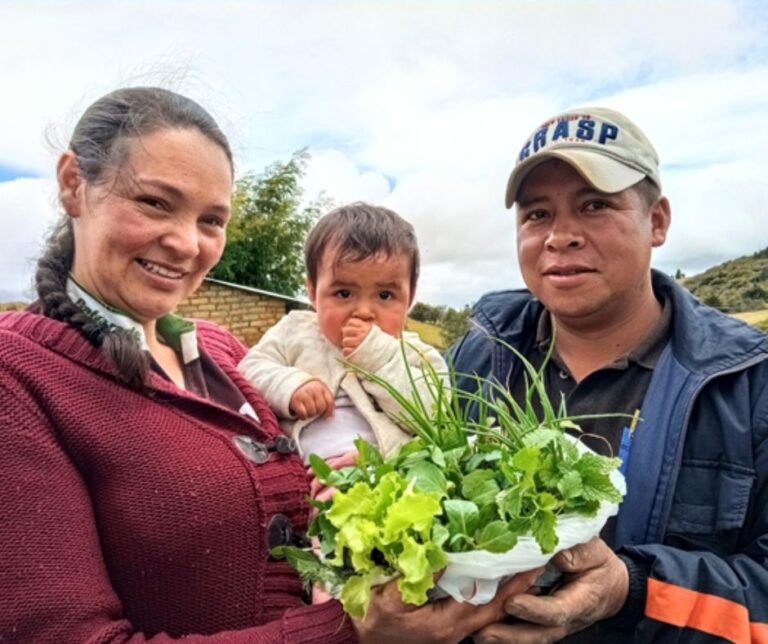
point(661, 217)
point(310, 291)
point(71, 183)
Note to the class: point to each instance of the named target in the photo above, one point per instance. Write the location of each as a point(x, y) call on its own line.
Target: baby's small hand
point(353, 333)
point(312, 399)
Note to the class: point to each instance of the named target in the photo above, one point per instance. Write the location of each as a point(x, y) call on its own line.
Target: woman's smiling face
point(148, 233)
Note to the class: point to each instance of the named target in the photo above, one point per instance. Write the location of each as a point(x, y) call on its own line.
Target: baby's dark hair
point(360, 231)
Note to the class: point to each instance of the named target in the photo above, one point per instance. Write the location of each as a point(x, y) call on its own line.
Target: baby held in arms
point(362, 264)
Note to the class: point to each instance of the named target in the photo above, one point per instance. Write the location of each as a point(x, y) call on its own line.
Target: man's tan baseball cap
point(603, 145)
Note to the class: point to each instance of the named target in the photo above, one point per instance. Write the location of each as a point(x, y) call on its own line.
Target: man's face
point(586, 254)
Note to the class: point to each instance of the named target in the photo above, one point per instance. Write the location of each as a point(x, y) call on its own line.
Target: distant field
point(751, 317)
point(429, 333)
point(13, 306)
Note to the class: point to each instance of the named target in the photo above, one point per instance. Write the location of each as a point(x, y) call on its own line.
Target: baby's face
point(375, 290)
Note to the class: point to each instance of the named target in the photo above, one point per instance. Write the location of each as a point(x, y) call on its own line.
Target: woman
point(144, 481)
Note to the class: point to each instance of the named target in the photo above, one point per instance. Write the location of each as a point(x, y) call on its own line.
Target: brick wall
point(245, 313)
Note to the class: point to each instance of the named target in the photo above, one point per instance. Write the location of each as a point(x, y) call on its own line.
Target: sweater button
point(252, 449)
point(285, 445)
point(279, 531)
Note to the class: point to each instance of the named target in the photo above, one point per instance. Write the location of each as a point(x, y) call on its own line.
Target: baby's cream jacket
point(294, 351)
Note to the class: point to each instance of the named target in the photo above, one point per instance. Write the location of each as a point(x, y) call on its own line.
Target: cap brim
point(602, 172)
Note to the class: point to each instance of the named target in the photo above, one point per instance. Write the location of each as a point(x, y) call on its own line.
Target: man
point(687, 557)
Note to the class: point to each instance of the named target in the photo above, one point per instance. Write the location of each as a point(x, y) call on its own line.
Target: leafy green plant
point(463, 483)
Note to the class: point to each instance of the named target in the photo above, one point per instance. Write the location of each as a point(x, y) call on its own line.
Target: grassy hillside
point(429, 333)
point(753, 317)
point(735, 286)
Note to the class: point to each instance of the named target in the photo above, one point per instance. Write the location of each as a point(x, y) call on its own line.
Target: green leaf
point(511, 475)
point(546, 501)
point(482, 457)
point(549, 469)
point(413, 458)
point(461, 543)
point(462, 517)
point(359, 535)
point(594, 471)
point(368, 454)
point(436, 557)
point(587, 508)
point(519, 525)
point(527, 460)
point(427, 477)
point(496, 537)
point(311, 569)
point(356, 595)
point(322, 527)
point(570, 485)
point(589, 464)
point(320, 468)
point(543, 529)
point(541, 437)
point(480, 487)
point(387, 491)
point(510, 501)
point(347, 476)
point(489, 512)
point(438, 457)
point(359, 500)
point(600, 488)
point(415, 511)
point(413, 562)
point(440, 534)
point(415, 592)
point(568, 424)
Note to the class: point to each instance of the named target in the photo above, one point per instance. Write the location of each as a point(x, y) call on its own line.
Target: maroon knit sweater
point(130, 517)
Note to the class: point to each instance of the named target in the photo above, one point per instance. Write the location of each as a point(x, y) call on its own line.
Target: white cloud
point(421, 106)
point(28, 214)
point(334, 174)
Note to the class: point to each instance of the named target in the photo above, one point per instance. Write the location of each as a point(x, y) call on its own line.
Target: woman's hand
point(445, 621)
point(319, 491)
point(596, 587)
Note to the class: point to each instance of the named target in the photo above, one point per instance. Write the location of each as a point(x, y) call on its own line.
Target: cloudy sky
point(419, 106)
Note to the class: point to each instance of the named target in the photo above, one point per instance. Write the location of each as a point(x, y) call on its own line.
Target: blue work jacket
point(693, 527)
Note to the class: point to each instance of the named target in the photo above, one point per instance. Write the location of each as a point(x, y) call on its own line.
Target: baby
point(362, 265)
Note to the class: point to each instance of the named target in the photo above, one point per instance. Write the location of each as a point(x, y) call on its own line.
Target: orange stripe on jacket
point(708, 613)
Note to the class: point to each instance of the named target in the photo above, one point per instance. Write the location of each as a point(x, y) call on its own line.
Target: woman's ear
point(71, 183)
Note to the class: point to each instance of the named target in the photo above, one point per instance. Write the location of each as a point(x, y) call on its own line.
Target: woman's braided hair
point(99, 144)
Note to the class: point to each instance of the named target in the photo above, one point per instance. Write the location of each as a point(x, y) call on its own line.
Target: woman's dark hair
point(359, 231)
point(99, 143)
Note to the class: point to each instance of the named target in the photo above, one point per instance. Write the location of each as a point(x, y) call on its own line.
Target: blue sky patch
point(9, 173)
point(392, 181)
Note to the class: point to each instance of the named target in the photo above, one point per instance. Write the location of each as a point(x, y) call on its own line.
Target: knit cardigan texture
point(133, 517)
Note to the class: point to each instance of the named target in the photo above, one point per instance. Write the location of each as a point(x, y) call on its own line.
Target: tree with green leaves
point(427, 313)
point(455, 323)
point(266, 234)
